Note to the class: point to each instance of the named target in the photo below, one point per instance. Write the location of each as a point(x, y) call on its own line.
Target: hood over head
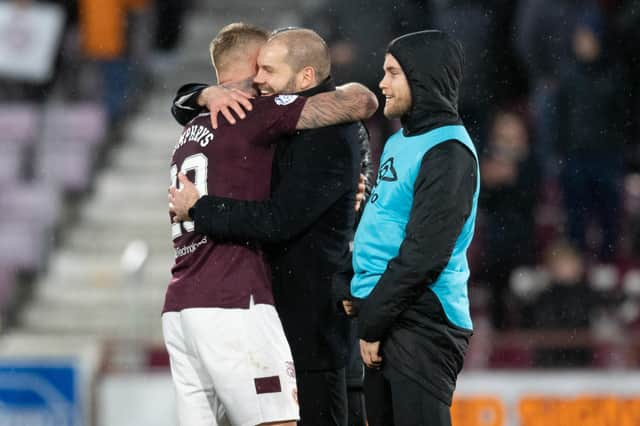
point(432, 62)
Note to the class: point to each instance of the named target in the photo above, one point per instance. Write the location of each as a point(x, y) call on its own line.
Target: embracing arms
point(349, 102)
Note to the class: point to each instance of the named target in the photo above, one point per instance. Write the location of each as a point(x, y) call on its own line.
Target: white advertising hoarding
point(487, 398)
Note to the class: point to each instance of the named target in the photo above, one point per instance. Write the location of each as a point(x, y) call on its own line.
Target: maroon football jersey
point(232, 161)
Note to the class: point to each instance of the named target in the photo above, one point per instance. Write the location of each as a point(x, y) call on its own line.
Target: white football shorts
point(230, 366)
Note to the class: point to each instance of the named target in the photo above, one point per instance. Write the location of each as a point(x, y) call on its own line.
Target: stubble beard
point(289, 88)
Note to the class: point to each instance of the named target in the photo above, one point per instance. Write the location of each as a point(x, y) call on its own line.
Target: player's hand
point(347, 305)
point(181, 200)
point(370, 352)
point(361, 192)
point(221, 99)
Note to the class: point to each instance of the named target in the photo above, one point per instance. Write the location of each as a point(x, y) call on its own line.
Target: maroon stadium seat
point(24, 245)
point(19, 123)
point(67, 165)
point(10, 164)
point(79, 123)
point(36, 204)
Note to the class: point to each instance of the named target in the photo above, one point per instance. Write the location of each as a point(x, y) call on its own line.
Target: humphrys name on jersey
point(195, 133)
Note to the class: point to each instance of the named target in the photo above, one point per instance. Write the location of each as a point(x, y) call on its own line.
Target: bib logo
point(387, 172)
point(285, 99)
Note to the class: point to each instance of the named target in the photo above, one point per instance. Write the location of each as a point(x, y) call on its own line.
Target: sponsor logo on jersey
point(182, 251)
point(285, 99)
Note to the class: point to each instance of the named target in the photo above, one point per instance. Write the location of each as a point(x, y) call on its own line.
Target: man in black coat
point(308, 221)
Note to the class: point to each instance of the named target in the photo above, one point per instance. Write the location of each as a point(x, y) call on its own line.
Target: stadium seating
point(7, 287)
point(10, 162)
point(46, 153)
point(20, 123)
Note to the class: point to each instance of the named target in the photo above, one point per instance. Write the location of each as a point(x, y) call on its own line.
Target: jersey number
point(198, 164)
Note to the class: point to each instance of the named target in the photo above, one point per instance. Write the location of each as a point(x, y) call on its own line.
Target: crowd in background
point(550, 96)
point(105, 53)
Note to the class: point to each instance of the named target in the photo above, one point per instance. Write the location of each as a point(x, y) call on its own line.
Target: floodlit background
point(550, 97)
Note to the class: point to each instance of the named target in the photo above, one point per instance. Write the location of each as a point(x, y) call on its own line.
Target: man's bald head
point(305, 48)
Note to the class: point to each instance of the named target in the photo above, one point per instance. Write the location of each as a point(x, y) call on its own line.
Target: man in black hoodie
point(410, 248)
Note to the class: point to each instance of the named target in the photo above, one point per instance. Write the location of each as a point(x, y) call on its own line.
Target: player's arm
point(318, 177)
point(194, 98)
point(442, 201)
point(349, 102)
point(186, 105)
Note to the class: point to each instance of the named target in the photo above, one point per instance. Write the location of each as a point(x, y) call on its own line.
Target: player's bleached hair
point(232, 41)
point(305, 48)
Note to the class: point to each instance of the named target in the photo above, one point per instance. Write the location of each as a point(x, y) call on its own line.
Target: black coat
point(308, 223)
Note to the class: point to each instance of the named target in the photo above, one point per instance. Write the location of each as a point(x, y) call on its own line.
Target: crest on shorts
point(291, 369)
point(285, 99)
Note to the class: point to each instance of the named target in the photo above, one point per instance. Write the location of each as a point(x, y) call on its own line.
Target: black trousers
point(401, 402)
point(323, 397)
point(355, 377)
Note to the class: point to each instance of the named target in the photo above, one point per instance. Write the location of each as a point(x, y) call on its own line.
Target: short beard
point(392, 114)
point(397, 112)
point(290, 87)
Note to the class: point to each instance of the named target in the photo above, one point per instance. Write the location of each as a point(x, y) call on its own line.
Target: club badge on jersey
point(285, 99)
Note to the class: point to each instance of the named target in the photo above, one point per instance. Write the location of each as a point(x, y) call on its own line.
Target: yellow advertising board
point(547, 399)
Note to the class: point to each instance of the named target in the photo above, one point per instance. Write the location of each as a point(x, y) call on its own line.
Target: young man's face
point(274, 73)
point(395, 89)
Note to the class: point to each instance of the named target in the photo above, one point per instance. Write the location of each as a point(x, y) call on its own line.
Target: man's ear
point(307, 78)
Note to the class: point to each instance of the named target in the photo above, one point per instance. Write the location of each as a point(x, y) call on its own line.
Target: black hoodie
point(417, 339)
point(432, 62)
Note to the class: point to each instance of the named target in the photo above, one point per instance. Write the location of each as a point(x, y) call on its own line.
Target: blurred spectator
point(567, 303)
point(631, 244)
point(358, 33)
point(32, 33)
point(509, 76)
point(357, 54)
point(507, 202)
point(169, 17)
point(473, 23)
point(103, 30)
point(543, 42)
point(591, 138)
point(626, 36)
